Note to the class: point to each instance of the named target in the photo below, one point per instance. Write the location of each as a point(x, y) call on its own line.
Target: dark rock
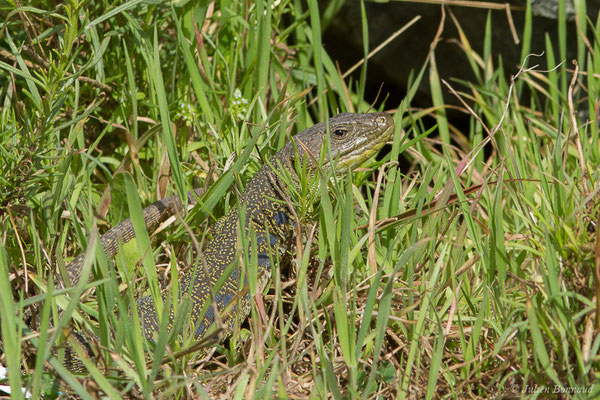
point(392, 65)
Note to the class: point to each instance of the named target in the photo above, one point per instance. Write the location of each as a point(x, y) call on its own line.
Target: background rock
point(408, 52)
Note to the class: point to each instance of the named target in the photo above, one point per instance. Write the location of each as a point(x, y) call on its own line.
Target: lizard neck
point(266, 215)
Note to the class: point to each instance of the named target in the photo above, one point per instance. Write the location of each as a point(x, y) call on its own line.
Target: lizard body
point(353, 138)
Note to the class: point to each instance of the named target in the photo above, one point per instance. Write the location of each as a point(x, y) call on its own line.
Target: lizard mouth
point(365, 147)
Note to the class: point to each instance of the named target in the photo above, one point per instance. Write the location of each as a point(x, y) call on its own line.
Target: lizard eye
point(340, 133)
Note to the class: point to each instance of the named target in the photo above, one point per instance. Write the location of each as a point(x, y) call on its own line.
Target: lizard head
point(353, 138)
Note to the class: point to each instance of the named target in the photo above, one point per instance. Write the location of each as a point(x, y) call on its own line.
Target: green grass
point(415, 285)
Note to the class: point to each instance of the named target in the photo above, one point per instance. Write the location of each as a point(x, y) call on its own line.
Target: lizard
point(353, 138)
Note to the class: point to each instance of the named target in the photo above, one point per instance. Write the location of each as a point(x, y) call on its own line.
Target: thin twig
point(597, 272)
point(381, 46)
point(373, 218)
point(21, 248)
point(574, 126)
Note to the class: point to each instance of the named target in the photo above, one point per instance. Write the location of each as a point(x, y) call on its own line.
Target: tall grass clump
point(505, 289)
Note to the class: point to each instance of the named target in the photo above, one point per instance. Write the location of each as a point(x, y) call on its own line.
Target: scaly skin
point(353, 139)
point(155, 214)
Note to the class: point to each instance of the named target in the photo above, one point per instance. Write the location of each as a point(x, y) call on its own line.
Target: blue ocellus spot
point(200, 331)
point(280, 218)
point(272, 239)
point(207, 321)
point(263, 260)
point(234, 274)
